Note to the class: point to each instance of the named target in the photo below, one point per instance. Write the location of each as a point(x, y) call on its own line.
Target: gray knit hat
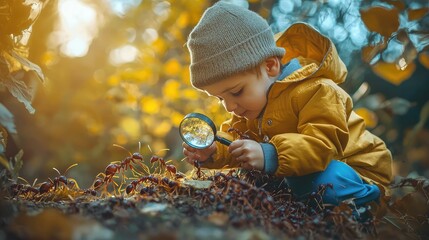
point(228, 39)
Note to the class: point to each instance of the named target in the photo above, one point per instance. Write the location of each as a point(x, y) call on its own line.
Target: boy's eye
point(237, 93)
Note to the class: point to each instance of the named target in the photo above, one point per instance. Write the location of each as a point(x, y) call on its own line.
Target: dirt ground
point(219, 207)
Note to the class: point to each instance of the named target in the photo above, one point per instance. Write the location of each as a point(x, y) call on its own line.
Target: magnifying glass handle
point(223, 140)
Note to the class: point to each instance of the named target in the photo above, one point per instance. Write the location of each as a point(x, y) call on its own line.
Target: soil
point(220, 207)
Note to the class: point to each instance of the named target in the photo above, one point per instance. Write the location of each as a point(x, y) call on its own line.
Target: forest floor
point(223, 206)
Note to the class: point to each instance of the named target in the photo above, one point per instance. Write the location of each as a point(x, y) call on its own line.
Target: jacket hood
point(315, 52)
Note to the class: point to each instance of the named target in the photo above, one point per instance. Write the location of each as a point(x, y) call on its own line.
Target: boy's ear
point(273, 66)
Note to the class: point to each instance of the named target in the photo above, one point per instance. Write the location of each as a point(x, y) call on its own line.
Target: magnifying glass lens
point(196, 132)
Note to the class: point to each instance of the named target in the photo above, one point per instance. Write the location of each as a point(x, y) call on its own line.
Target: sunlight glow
point(149, 35)
point(326, 19)
point(124, 54)
point(77, 28)
point(286, 6)
point(402, 64)
point(75, 47)
point(121, 7)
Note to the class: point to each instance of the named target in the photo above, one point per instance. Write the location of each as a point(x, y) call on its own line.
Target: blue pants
point(345, 182)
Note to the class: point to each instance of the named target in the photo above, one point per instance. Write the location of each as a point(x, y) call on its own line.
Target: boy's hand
point(249, 153)
point(200, 155)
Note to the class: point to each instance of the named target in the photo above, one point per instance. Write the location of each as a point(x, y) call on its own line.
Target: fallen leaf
point(199, 184)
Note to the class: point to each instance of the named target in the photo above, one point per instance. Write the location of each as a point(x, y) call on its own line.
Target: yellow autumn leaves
point(161, 79)
point(386, 22)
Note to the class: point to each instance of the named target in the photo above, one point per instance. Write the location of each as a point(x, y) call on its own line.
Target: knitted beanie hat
point(228, 39)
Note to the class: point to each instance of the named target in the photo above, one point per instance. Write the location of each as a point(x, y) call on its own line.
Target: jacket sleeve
point(322, 109)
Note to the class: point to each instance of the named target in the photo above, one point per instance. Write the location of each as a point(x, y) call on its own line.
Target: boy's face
point(243, 94)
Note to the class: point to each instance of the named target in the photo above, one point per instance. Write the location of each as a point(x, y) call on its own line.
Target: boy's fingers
point(234, 145)
point(185, 152)
point(190, 161)
point(236, 153)
point(240, 160)
point(187, 147)
point(192, 155)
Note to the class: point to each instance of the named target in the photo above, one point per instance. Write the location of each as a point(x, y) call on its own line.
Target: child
point(300, 122)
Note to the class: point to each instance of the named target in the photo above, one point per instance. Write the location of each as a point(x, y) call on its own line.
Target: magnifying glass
point(198, 131)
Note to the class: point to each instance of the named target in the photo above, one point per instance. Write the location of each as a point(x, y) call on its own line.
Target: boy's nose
point(230, 106)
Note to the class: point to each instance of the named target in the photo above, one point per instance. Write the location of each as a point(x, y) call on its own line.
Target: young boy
point(286, 98)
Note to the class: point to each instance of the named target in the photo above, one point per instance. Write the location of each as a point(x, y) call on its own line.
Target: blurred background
point(78, 76)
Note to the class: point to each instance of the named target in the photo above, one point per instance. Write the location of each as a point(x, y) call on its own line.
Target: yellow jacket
point(309, 119)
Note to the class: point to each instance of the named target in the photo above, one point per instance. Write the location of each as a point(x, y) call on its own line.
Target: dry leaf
point(381, 20)
point(199, 184)
point(17, 19)
point(19, 89)
point(369, 52)
point(424, 59)
point(391, 73)
point(403, 36)
point(6, 120)
point(27, 65)
point(416, 14)
point(414, 204)
point(369, 116)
